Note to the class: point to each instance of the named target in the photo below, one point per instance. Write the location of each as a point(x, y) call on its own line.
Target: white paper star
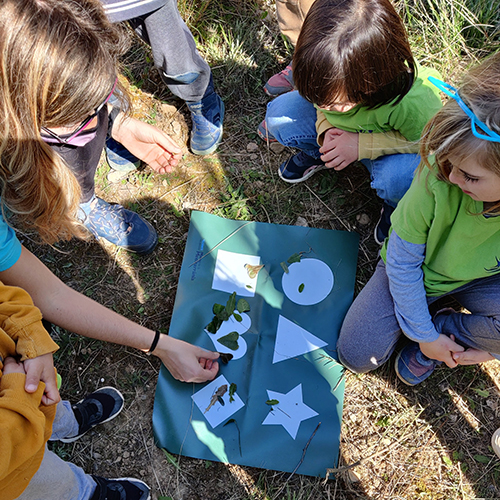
point(290, 411)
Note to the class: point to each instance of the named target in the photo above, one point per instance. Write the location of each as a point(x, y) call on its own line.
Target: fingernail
point(31, 387)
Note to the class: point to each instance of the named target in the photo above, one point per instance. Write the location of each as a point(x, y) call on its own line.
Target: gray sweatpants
point(55, 478)
point(370, 330)
point(183, 70)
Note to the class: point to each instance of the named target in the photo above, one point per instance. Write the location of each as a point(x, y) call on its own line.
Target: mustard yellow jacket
point(25, 424)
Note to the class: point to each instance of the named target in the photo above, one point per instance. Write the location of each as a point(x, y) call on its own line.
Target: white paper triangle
point(292, 341)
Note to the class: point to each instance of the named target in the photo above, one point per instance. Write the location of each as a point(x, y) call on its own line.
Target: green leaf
point(482, 459)
point(301, 287)
point(294, 258)
point(214, 325)
point(285, 267)
point(230, 341)
point(232, 390)
point(165, 498)
point(217, 309)
point(483, 393)
point(447, 461)
point(243, 306)
point(238, 318)
point(272, 402)
point(231, 304)
point(171, 459)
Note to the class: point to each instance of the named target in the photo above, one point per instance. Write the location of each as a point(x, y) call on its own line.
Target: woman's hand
point(340, 148)
point(187, 362)
point(148, 143)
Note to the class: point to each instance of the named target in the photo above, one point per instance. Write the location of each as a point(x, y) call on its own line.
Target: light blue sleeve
point(406, 283)
point(10, 246)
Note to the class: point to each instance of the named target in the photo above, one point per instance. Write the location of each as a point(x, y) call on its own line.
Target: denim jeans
point(56, 478)
point(292, 121)
point(370, 330)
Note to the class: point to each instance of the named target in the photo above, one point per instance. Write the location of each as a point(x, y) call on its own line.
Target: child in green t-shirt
point(360, 96)
point(445, 241)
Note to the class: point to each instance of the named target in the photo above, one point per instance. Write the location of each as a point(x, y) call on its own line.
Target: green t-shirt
point(460, 244)
point(408, 117)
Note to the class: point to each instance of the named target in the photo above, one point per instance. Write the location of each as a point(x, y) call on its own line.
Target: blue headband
point(488, 135)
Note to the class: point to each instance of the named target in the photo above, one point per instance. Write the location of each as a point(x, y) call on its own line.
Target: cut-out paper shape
point(307, 282)
point(231, 325)
point(231, 275)
point(216, 412)
point(290, 411)
point(292, 341)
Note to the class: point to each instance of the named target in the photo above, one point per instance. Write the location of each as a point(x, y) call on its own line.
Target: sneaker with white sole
point(101, 406)
point(126, 488)
point(299, 168)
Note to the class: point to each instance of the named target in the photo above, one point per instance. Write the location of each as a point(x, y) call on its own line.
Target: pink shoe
point(280, 83)
point(264, 133)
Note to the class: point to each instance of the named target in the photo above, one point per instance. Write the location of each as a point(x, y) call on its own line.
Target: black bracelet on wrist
point(154, 343)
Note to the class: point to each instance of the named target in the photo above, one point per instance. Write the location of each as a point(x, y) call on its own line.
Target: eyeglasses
point(83, 125)
point(488, 135)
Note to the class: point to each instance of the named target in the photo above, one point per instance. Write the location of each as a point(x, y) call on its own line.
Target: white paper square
point(230, 274)
point(217, 413)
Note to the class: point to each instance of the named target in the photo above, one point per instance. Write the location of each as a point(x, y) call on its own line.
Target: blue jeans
point(292, 121)
point(56, 478)
point(371, 331)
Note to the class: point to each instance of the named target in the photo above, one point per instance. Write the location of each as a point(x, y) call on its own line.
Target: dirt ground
point(428, 442)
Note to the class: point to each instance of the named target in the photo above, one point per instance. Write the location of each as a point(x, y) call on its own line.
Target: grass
point(428, 442)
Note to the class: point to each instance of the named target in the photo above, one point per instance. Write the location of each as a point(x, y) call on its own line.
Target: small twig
point(304, 451)
point(220, 243)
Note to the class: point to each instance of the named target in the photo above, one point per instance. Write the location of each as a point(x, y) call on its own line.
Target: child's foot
point(281, 83)
point(207, 116)
point(384, 224)
point(119, 226)
point(412, 367)
point(120, 489)
point(299, 167)
point(264, 134)
point(101, 406)
point(495, 442)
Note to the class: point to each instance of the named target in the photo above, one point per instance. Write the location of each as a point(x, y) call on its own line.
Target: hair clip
point(488, 135)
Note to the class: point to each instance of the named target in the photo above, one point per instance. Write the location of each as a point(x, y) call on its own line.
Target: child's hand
point(471, 356)
point(442, 349)
point(41, 369)
point(148, 143)
point(340, 148)
point(10, 365)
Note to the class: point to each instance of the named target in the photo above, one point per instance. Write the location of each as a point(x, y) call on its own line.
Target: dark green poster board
point(289, 388)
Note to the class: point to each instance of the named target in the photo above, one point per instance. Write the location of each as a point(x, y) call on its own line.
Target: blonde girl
point(445, 241)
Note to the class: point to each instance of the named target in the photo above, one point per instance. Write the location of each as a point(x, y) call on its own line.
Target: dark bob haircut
point(353, 50)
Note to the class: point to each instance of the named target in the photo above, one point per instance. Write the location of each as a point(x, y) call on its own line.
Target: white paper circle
point(316, 278)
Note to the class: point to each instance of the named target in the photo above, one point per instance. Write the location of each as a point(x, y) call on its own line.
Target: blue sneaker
point(381, 230)
point(299, 167)
point(207, 116)
point(120, 160)
point(119, 226)
point(412, 366)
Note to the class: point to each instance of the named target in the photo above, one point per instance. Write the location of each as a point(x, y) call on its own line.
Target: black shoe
point(126, 488)
point(384, 224)
point(101, 406)
point(299, 167)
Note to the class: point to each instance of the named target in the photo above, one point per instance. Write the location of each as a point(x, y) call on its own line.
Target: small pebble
point(251, 146)
point(301, 222)
point(276, 147)
point(363, 219)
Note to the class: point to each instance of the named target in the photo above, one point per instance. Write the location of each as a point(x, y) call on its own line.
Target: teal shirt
point(408, 117)
point(461, 244)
